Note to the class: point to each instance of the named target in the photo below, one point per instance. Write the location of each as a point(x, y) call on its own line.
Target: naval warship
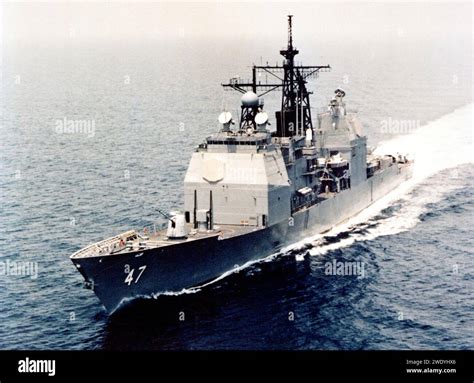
point(250, 191)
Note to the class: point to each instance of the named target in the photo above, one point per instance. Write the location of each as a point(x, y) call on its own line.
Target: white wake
point(439, 145)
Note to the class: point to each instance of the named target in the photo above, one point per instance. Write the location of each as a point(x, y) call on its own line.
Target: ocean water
point(147, 105)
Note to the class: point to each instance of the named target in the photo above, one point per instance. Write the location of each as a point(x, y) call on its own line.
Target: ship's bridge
point(238, 142)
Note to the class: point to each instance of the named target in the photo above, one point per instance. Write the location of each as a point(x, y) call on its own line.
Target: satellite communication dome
point(225, 117)
point(250, 99)
point(261, 118)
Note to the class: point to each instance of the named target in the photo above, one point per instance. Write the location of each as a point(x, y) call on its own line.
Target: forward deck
point(133, 240)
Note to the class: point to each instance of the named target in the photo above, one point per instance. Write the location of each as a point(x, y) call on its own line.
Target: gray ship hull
point(189, 264)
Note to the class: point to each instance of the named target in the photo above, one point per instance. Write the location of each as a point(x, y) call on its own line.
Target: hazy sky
point(329, 21)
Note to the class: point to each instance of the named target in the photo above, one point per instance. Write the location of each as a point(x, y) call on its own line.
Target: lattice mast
point(294, 117)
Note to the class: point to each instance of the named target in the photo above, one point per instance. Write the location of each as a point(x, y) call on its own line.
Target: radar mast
point(294, 117)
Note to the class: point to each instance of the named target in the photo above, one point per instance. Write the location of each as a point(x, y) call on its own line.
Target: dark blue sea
point(149, 103)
